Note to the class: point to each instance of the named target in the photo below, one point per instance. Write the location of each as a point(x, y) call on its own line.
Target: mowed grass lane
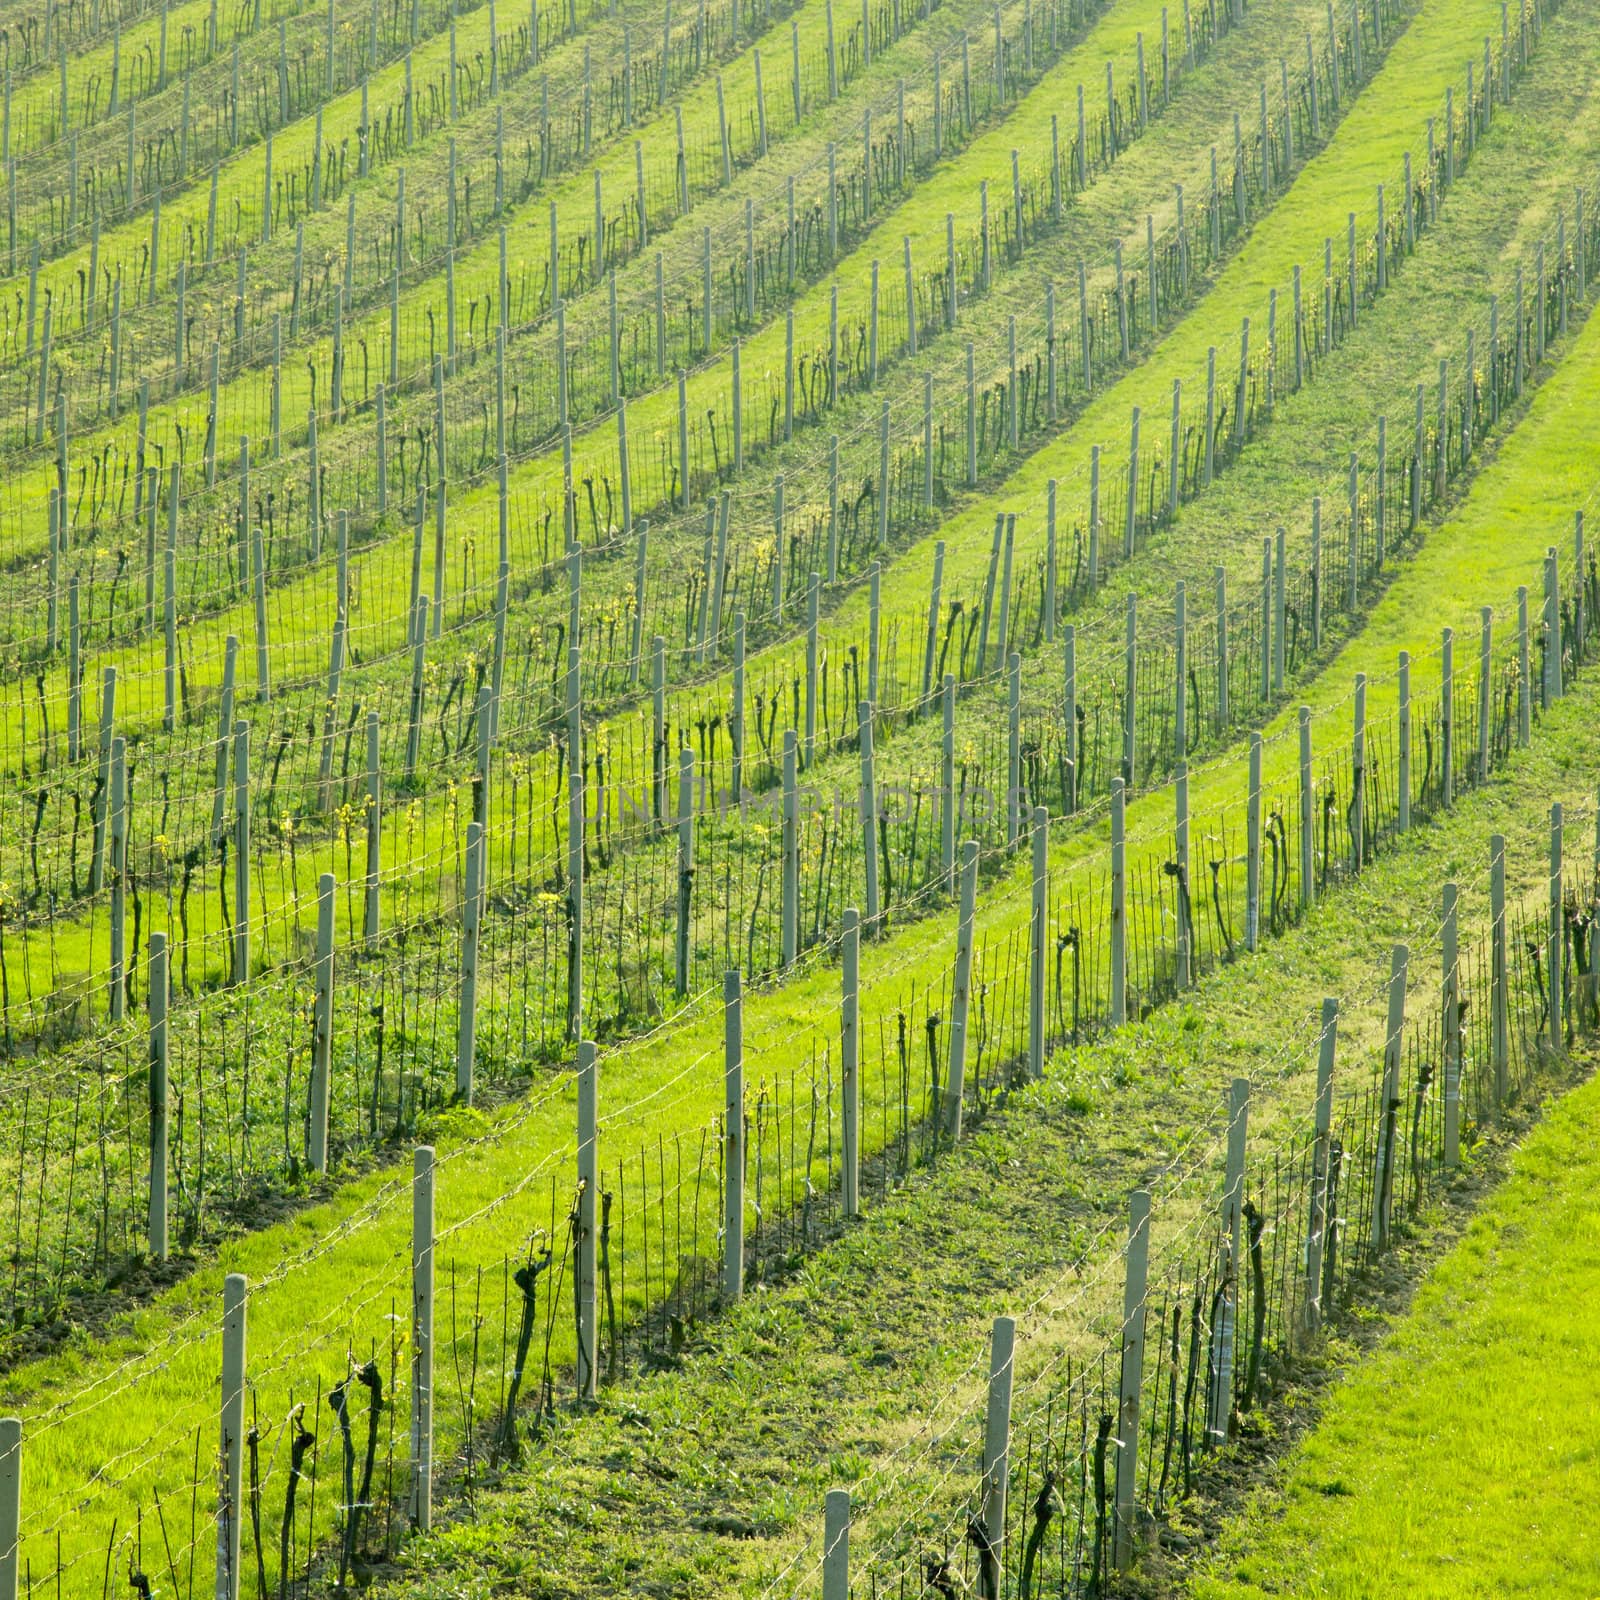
point(1460, 1458)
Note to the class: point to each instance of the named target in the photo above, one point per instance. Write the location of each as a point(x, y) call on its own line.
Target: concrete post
point(1280, 610)
point(159, 987)
point(585, 1276)
point(1308, 821)
point(1129, 689)
point(1013, 749)
point(374, 808)
point(869, 817)
point(241, 852)
point(1555, 949)
point(1219, 1402)
point(1485, 690)
point(1524, 673)
point(930, 643)
point(422, 1261)
point(1499, 976)
point(1180, 675)
point(1552, 625)
point(1069, 712)
point(322, 1030)
point(1119, 914)
point(1450, 988)
point(685, 865)
point(74, 672)
point(258, 582)
point(10, 1504)
point(230, 1511)
point(996, 1452)
point(230, 662)
point(1252, 867)
point(1185, 908)
point(835, 1545)
point(947, 780)
point(1321, 1165)
point(119, 875)
point(1132, 1374)
point(1403, 744)
point(1358, 776)
point(962, 991)
point(1388, 1109)
point(1223, 712)
point(1037, 933)
point(1447, 718)
point(733, 1137)
point(790, 940)
point(467, 1001)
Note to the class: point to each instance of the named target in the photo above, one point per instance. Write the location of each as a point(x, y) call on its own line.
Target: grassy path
point(1461, 1458)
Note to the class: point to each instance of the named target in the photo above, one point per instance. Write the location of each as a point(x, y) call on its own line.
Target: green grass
point(244, 403)
point(680, 1069)
point(1463, 1457)
point(332, 1282)
point(706, 1479)
point(378, 570)
point(36, 100)
point(1436, 289)
point(1215, 802)
point(242, 175)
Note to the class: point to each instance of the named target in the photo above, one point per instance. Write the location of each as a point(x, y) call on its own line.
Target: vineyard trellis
point(470, 846)
point(1232, 1299)
point(1050, 752)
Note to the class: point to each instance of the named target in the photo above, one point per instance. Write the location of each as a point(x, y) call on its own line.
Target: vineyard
point(782, 784)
